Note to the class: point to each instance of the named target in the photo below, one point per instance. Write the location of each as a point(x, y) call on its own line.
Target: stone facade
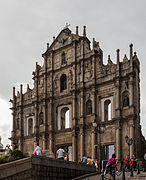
point(72, 90)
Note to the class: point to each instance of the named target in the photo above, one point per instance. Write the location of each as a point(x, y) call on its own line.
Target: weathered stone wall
point(39, 168)
point(87, 79)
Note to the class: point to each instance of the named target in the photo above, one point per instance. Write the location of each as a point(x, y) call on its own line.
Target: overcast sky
point(26, 27)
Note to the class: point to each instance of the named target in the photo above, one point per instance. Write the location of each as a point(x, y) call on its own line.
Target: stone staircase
point(96, 176)
point(43, 168)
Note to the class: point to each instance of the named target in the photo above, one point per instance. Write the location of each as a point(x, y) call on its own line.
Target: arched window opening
point(107, 110)
point(65, 119)
point(125, 99)
point(41, 118)
point(63, 82)
point(30, 126)
point(88, 107)
point(63, 59)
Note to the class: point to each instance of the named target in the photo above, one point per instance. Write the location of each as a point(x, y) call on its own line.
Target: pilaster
point(21, 119)
point(131, 82)
point(82, 146)
point(93, 143)
point(132, 136)
point(74, 146)
point(118, 141)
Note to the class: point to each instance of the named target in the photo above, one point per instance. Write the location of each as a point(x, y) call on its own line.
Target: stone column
point(131, 56)
point(74, 158)
point(13, 112)
point(81, 105)
point(45, 108)
point(93, 97)
point(45, 115)
point(81, 142)
point(131, 91)
point(93, 144)
point(36, 127)
point(132, 136)
point(74, 109)
point(99, 113)
point(43, 143)
point(21, 118)
point(74, 119)
point(118, 142)
point(50, 126)
point(50, 109)
point(117, 98)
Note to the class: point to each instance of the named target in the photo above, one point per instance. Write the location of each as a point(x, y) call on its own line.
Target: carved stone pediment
point(62, 39)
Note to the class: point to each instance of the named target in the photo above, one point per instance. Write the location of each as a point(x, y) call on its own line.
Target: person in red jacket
point(127, 160)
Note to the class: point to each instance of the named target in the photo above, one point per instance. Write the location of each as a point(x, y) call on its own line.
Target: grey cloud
point(26, 27)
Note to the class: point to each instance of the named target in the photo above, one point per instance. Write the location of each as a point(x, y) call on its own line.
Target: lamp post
point(129, 141)
point(100, 129)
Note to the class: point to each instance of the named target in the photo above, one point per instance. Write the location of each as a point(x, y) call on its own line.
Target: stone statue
point(126, 101)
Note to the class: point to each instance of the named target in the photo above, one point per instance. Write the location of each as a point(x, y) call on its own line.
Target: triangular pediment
point(62, 39)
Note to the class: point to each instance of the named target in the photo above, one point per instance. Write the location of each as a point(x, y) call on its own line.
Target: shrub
point(4, 158)
point(16, 154)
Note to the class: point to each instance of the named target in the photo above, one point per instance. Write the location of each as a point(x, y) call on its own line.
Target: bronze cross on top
point(66, 26)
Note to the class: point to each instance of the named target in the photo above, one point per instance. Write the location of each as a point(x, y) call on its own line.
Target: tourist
point(60, 153)
point(127, 160)
point(111, 164)
point(89, 160)
point(14, 146)
point(84, 159)
point(96, 164)
point(122, 163)
point(134, 162)
point(7, 149)
point(37, 150)
point(131, 164)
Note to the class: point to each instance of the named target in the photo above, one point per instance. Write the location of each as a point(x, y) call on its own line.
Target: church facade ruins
point(74, 95)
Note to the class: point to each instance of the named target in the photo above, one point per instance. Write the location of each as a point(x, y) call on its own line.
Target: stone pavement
point(94, 176)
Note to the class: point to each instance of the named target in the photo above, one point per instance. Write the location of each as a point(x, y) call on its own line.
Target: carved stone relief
point(56, 83)
point(88, 70)
point(70, 79)
point(78, 73)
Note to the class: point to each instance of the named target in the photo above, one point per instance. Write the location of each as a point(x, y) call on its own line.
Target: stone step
point(95, 176)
